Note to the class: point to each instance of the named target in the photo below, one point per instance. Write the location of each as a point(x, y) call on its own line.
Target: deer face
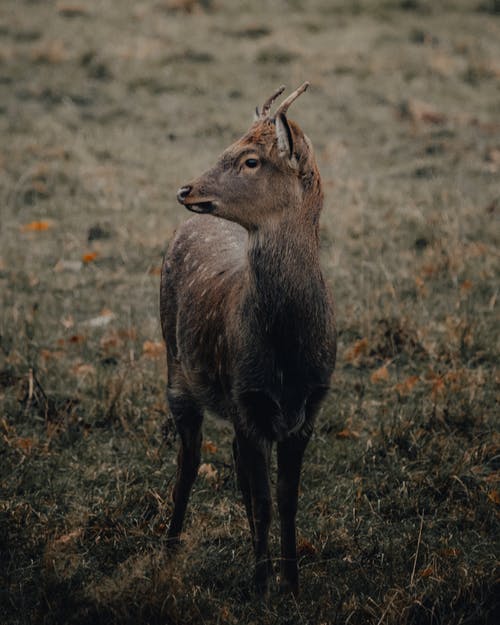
point(260, 178)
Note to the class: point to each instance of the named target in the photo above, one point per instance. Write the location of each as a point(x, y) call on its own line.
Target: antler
point(283, 107)
point(266, 107)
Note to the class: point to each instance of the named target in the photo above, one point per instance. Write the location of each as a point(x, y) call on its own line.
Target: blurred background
point(106, 108)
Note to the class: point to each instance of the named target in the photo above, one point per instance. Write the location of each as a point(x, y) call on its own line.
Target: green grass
point(106, 109)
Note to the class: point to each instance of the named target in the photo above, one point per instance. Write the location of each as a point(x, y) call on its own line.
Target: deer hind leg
point(252, 465)
point(290, 455)
point(188, 419)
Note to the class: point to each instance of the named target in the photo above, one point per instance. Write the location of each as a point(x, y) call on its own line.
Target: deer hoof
point(288, 586)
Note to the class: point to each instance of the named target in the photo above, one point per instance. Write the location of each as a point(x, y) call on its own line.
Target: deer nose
point(183, 192)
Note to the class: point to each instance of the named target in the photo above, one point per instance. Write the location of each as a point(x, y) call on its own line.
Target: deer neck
point(285, 281)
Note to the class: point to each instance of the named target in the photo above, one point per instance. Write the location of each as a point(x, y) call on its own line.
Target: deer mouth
point(206, 206)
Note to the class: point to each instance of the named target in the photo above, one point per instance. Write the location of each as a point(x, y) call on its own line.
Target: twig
point(416, 552)
point(388, 606)
point(30, 384)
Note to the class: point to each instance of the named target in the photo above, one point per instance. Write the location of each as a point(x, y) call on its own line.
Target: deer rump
point(251, 364)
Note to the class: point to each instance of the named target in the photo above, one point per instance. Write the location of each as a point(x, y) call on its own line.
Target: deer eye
point(252, 163)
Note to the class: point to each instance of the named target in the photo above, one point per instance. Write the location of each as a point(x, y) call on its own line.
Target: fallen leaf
point(66, 538)
point(110, 341)
point(24, 444)
point(47, 354)
point(427, 572)
point(76, 339)
point(89, 257)
point(380, 375)
point(346, 433)
point(209, 447)
point(305, 548)
point(153, 349)
point(83, 370)
point(360, 348)
point(494, 496)
point(465, 287)
point(450, 552)
point(406, 386)
point(36, 226)
point(207, 471)
point(226, 616)
point(437, 388)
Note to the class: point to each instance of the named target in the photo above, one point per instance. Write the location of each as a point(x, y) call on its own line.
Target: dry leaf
point(24, 444)
point(427, 572)
point(494, 496)
point(207, 471)
point(209, 447)
point(360, 348)
point(36, 226)
point(450, 552)
point(406, 386)
point(153, 349)
point(47, 354)
point(89, 257)
point(74, 339)
point(437, 388)
point(83, 370)
point(226, 616)
point(110, 341)
point(66, 538)
point(305, 548)
point(465, 287)
point(380, 375)
point(346, 433)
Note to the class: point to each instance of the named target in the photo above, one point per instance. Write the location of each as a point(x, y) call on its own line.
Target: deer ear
point(285, 140)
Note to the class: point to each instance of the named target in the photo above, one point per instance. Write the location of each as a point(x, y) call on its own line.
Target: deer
point(249, 325)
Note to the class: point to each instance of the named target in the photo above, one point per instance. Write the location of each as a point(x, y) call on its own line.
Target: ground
point(106, 108)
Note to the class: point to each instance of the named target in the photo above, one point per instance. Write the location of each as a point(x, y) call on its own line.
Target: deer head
point(264, 176)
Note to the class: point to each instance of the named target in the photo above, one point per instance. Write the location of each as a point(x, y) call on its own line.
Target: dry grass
point(106, 108)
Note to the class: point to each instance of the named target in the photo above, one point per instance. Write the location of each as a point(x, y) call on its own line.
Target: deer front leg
point(290, 454)
point(244, 484)
point(253, 475)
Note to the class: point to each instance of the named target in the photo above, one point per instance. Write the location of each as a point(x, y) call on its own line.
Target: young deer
point(248, 321)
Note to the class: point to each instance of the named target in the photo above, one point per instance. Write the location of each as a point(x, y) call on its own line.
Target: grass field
point(106, 108)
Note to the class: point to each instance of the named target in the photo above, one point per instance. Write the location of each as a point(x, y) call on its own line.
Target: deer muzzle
point(197, 204)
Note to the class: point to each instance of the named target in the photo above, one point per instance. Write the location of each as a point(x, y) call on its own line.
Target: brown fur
point(248, 322)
